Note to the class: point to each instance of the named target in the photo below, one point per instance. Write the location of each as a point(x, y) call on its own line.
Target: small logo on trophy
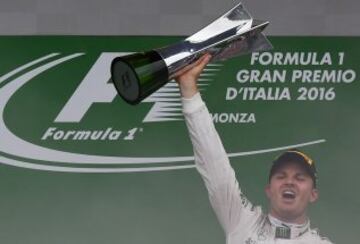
point(138, 75)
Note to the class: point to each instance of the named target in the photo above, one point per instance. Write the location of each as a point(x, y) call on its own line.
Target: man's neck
point(299, 220)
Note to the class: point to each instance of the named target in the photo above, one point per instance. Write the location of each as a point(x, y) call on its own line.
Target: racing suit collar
point(285, 230)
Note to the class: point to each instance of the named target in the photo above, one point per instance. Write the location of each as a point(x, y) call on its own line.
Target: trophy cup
point(138, 75)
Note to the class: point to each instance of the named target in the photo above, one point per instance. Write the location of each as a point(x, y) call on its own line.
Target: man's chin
point(288, 204)
point(288, 210)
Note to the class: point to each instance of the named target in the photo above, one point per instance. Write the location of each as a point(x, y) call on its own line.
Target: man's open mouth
point(288, 194)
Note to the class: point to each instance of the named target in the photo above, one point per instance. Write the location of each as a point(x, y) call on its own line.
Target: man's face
point(290, 190)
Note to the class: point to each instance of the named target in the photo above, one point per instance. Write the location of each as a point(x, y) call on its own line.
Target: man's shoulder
point(315, 234)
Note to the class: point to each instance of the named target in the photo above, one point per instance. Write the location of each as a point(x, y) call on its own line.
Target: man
point(291, 187)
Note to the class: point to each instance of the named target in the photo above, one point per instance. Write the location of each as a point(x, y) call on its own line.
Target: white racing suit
point(242, 222)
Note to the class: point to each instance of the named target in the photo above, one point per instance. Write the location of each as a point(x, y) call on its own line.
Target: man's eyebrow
point(302, 174)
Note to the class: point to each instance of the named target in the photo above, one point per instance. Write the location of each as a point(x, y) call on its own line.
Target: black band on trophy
point(138, 75)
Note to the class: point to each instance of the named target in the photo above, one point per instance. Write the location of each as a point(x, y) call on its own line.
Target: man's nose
point(289, 180)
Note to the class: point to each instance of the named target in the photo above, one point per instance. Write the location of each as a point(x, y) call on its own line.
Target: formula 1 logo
point(64, 145)
point(95, 88)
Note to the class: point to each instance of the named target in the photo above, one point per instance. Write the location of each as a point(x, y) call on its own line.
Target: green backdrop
point(78, 165)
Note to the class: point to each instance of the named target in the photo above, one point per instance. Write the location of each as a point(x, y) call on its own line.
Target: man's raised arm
point(230, 205)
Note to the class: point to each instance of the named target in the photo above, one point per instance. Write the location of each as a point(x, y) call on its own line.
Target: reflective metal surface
point(235, 33)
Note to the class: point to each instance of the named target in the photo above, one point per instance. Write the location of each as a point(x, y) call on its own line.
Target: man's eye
point(300, 178)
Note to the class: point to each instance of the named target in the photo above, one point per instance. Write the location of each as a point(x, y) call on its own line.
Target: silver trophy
point(138, 75)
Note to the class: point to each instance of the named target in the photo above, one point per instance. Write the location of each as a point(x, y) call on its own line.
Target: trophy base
point(138, 75)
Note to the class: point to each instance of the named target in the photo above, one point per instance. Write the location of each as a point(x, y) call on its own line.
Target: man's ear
point(267, 190)
point(314, 195)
